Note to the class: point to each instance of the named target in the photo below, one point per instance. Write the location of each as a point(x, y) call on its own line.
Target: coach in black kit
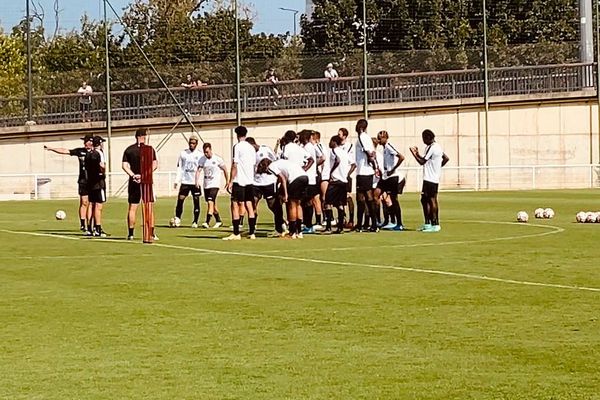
point(95, 167)
point(132, 166)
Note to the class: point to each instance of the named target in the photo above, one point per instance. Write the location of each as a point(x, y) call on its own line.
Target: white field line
point(87, 257)
point(554, 230)
point(350, 264)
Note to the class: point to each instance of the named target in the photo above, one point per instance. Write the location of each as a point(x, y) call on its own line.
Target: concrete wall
point(527, 133)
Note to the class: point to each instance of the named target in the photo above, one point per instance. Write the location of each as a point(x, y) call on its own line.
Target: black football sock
point(179, 208)
point(307, 213)
point(319, 219)
point(251, 225)
point(217, 217)
point(196, 209)
point(328, 219)
point(82, 222)
point(341, 215)
point(130, 233)
point(208, 217)
point(236, 226)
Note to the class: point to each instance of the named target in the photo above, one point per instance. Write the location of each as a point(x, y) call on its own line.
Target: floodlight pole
point(295, 14)
point(108, 103)
point(238, 84)
point(486, 95)
point(365, 68)
point(29, 77)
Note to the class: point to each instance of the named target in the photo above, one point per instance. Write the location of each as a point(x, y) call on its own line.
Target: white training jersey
point(432, 169)
point(364, 144)
point(325, 168)
point(351, 151)
point(295, 154)
point(187, 164)
point(244, 156)
point(312, 171)
point(289, 169)
point(379, 158)
point(264, 152)
point(390, 159)
point(340, 171)
point(212, 169)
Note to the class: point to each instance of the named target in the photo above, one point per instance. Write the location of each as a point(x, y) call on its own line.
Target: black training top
point(80, 153)
point(132, 156)
point(95, 176)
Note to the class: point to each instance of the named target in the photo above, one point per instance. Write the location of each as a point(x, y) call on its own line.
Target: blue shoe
point(308, 230)
point(388, 227)
point(398, 228)
point(424, 227)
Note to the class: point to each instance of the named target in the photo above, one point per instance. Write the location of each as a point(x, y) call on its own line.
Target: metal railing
point(506, 177)
point(303, 94)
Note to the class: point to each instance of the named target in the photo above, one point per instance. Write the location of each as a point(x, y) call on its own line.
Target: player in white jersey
point(377, 193)
point(265, 186)
point(293, 180)
point(187, 165)
point(336, 195)
point(241, 184)
point(290, 150)
point(312, 202)
point(366, 168)
point(391, 184)
point(349, 148)
point(432, 162)
point(213, 167)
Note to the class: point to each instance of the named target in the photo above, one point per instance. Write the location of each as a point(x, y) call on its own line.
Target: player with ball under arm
point(432, 162)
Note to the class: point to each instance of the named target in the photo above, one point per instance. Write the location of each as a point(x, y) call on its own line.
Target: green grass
point(193, 317)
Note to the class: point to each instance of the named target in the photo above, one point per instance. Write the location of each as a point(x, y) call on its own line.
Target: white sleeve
point(180, 166)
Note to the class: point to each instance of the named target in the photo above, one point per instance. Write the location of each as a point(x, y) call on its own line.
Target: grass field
point(485, 309)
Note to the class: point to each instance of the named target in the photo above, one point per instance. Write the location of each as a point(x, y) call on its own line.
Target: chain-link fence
point(407, 51)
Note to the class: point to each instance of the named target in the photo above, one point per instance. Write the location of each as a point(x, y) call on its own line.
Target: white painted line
point(554, 230)
point(343, 263)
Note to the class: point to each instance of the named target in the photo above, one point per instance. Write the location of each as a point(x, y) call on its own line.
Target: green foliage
point(13, 67)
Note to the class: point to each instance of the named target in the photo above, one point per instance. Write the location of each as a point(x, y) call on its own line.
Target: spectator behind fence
point(331, 75)
point(189, 82)
point(85, 99)
point(272, 80)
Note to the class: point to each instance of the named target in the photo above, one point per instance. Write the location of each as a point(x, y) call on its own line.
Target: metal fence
point(304, 94)
point(521, 177)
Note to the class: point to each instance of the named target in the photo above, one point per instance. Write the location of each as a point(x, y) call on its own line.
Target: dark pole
point(29, 79)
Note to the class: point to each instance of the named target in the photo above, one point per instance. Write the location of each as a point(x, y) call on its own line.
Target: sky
point(268, 16)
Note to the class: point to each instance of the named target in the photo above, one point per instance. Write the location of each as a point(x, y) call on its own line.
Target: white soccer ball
point(522, 216)
point(591, 217)
point(581, 217)
point(598, 217)
point(539, 213)
point(174, 222)
point(60, 215)
point(548, 213)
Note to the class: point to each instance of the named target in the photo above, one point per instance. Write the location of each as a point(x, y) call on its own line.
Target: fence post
point(35, 187)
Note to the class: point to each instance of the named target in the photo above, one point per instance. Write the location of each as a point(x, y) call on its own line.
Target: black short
point(364, 183)
point(134, 192)
point(97, 196)
point(336, 194)
point(242, 193)
point(83, 189)
point(210, 194)
point(265, 191)
point(389, 185)
point(312, 191)
point(84, 107)
point(185, 190)
point(430, 189)
point(297, 188)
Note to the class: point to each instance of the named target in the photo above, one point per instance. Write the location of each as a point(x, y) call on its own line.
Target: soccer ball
point(522, 216)
point(581, 217)
point(174, 222)
point(591, 217)
point(539, 213)
point(60, 215)
point(598, 217)
point(548, 213)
